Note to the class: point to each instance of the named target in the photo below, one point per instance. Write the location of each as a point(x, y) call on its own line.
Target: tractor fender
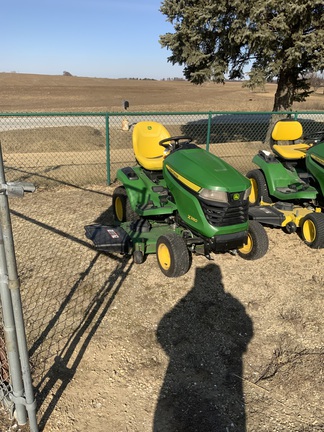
point(134, 185)
point(146, 197)
point(276, 174)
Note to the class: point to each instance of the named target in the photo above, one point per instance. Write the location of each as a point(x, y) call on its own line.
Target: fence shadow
point(205, 336)
point(32, 176)
point(62, 371)
point(72, 317)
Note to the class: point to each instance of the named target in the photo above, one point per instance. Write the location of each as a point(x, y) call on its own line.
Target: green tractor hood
point(222, 209)
point(198, 169)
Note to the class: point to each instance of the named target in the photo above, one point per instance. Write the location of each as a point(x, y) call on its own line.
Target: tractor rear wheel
point(257, 242)
point(122, 209)
point(259, 188)
point(312, 230)
point(172, 255)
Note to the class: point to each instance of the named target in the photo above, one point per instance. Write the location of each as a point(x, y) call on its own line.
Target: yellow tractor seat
point(291, 152)
point(288, 130)
point(146, 138)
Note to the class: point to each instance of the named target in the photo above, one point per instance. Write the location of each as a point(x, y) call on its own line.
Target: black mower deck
point(108, 238)
point(127, 237)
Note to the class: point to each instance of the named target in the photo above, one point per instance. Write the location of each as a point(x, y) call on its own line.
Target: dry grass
point(24, 93)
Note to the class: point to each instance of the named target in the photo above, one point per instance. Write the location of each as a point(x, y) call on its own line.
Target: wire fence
point(89, 148)
point(67, 286)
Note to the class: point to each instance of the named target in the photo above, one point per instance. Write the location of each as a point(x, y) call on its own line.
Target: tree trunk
point(283, 101)
point(285, 92)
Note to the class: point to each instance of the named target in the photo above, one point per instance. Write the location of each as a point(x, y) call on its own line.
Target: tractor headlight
point(213, 195)
point(247, 193)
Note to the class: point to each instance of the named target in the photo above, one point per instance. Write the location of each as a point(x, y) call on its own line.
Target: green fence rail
point(88, 148)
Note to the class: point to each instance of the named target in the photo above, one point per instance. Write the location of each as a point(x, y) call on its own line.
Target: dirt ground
point(116, 346)
point(230, 346)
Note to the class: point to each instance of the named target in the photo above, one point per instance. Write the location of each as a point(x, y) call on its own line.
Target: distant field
point(60, 151)
point(29, 93)
point(232, 342)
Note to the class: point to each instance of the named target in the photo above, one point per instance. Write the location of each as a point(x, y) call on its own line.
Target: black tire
point(122, 209)
point(257, 242)
point(259, 188)
point(290, 228)
point(138, 257)
point(312, 230)
point(172, 255)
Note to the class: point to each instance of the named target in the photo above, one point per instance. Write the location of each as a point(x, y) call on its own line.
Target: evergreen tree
point(280, 39)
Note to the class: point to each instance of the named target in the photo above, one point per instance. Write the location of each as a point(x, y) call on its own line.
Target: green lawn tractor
point(178, 200)
point(288, 188)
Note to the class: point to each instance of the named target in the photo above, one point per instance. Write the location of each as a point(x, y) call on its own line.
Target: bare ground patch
point(231, 343)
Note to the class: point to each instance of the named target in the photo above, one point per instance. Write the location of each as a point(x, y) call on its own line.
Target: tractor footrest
point(268, 215)
point(286, 190)
point(148, 206)
point(108, 238)
point(161, 190)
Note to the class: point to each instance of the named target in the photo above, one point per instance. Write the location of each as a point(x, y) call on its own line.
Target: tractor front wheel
point(122, 209)
point(172, 255)
point(138, 257)
point(259, 188)
point(312, 230)
point(257, 242)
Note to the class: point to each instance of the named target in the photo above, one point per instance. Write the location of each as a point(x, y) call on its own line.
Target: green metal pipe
point(107, 150)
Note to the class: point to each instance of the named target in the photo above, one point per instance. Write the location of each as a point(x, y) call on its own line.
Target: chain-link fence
point(67, 286)
point(88, 148)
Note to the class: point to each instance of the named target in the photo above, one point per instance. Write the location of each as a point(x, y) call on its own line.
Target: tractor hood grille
point(219, 214)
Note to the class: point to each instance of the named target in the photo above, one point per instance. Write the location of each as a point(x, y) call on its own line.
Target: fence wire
point(67, 287)
point(5, 387)
point(86, 148)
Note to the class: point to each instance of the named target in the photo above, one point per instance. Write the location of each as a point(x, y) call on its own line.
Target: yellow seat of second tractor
point(289, 130)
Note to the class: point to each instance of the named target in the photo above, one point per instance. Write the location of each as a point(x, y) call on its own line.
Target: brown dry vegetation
point(24, 93)
point(119, 347)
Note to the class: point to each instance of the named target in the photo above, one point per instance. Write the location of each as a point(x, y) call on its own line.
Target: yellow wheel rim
point(119, 209)
point(309, 231)
point(164, 256)
point(245, 249)
point(254, 191)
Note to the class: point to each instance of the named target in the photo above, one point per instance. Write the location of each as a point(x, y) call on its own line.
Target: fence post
point(8, 259)
point(10, 336)
point(107, 149)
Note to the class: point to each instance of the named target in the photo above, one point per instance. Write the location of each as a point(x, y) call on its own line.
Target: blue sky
point(94, 38)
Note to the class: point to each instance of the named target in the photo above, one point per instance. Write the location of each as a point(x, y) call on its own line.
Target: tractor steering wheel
point(174, 141)
point(315, 138)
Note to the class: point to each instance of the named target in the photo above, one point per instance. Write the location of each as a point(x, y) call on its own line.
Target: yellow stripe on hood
point(183, 180)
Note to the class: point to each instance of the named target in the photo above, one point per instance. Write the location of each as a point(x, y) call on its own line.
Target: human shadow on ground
point(205, 336)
